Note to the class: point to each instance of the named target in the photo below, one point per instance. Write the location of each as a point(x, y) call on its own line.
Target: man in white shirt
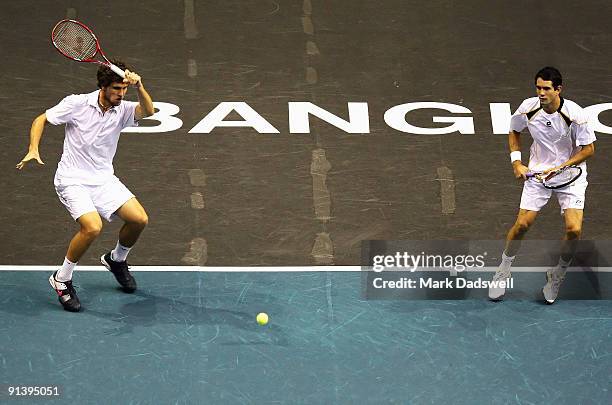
point(85, 182)
point(561, 137)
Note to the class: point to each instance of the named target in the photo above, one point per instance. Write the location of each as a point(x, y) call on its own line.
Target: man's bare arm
point(583, 154)
point(145, 107)
point(145, 103)
point(36, 132)
point(514, 143)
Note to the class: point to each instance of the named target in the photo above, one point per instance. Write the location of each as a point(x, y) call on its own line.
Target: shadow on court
point(149, 310)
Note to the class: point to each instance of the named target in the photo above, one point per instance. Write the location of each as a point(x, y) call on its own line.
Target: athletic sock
point(506, 262)
point(120, 253)
point(65, 272)
point(563, 265)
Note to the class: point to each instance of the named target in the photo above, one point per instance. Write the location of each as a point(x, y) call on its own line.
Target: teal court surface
point(191, 337)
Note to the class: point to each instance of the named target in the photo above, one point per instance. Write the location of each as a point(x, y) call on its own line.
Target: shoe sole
point(546, 300)
point(105, 264)
point(544, 295)
point(496, 299)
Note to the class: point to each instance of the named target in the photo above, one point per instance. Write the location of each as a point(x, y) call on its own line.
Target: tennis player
point(561, 137)
point(85, 180)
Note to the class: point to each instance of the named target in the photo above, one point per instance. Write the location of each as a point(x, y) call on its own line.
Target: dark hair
point(552, 74)
point(106, 76)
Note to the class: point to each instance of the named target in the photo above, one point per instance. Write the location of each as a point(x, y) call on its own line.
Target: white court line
point(280, 269)
point(206, 269)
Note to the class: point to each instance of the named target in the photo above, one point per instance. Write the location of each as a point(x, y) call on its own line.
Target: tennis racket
point(77, 41)
point(558, 178)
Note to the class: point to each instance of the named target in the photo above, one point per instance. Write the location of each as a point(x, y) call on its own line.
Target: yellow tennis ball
point(262, 318)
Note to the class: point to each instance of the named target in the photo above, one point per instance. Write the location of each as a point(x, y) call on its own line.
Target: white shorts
point(105, 198)
point(535, 195)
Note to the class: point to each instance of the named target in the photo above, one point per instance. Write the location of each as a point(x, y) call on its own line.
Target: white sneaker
point(497, 293)
point(554, 279)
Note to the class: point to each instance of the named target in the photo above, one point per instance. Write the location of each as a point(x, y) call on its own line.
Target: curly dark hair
point(106, 76)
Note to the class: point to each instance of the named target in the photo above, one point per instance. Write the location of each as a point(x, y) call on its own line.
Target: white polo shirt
point(91, 137)
point(557, 136)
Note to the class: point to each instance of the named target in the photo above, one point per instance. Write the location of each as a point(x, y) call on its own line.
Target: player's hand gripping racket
point(76, 41)
point(557, 178)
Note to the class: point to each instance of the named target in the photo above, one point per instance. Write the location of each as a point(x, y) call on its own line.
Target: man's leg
point(61, 280)
point(556, 275)
point(515, 235)
point(524, 220)
point(135, 220)
point(573, 231)
point(91, 226)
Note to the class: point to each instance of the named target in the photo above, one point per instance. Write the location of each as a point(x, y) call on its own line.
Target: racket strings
point(563, 177)
point(74, 41)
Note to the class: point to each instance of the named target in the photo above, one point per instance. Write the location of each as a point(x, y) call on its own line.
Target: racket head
point(75, 41)
point(562, 177)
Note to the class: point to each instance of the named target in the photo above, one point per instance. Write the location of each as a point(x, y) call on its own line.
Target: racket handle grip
point(117, 70)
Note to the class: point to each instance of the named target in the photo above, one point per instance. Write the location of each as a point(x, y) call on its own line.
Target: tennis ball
point(262, 318)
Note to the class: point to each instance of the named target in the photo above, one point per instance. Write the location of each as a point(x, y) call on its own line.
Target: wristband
point(516, 155)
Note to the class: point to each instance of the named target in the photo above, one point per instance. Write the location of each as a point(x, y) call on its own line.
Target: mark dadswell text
point(429, 282)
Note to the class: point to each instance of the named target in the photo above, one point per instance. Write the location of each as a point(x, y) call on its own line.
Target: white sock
point(120, 253)
point(563, 265)
point(65, 272)
point(506, 262)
